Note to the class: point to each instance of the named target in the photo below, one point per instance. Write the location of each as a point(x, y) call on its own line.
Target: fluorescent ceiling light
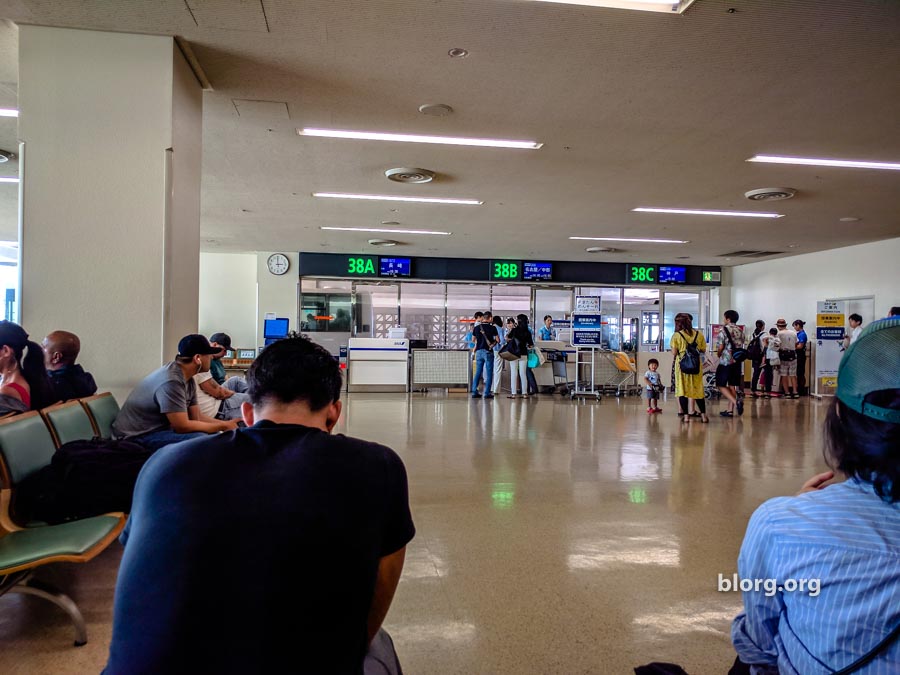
point(412, 138)
point(646, 241)
point(702, 212)
point(676, 6)
point(381, 229)
point(811, 161)
point(9, 179)
point(9, 112)
point(390, 198)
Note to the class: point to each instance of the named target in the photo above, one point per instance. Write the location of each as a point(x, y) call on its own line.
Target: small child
point(654, 386)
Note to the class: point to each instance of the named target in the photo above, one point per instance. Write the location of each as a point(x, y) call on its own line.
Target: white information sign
point(587, 304)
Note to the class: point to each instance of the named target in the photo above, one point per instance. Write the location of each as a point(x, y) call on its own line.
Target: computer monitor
point(275, 329)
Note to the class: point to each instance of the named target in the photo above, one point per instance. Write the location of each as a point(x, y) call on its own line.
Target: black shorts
point(729, 376)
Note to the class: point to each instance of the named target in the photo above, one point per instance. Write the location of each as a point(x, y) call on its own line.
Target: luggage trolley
point(622, 380)
point(561, 383)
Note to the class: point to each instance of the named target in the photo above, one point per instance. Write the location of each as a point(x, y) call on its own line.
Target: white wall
point(228, 296)
point(277, 294)
point(790, 287)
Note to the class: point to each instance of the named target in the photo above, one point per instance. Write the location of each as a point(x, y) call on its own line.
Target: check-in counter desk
point(378, 365)
point(544, 374)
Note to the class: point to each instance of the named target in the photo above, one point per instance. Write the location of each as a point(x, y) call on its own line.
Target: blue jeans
point(484, 363)
point(158, 439)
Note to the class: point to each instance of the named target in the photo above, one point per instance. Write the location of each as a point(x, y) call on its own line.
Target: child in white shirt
point(654, 386)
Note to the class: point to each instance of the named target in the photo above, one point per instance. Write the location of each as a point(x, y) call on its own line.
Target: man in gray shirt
point(162, 408)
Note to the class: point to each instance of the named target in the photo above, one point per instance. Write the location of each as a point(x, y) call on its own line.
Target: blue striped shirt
point(847, 537)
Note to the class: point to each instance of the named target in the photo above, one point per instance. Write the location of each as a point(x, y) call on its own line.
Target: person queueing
point(688, 385)
point(485, 336)
point(23, 381)
point(653, 383)
point(518, 369)
point(757, 356)
point(843, 536)
point(498, 362)
point(802, 342)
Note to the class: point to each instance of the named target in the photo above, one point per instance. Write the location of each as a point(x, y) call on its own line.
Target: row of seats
point(27, 444)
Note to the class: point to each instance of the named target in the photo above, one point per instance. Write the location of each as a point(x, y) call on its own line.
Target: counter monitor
point(537, 271)
point(672, 274)
point(395, 267)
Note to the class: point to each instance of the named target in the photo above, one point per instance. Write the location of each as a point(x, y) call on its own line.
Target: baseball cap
point(221, 339)
point(871, 364)
point(194, 345)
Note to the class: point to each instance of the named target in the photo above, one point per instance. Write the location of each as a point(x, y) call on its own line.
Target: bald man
point(68, 380)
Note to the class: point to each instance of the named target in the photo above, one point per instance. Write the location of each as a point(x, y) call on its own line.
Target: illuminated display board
point(361, 266)
point(506, 270)
point(672, 274)
point(537, 271)
point(395, 267)
point(640, 274)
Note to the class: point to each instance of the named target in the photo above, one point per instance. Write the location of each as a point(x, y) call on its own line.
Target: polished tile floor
point(553, 536)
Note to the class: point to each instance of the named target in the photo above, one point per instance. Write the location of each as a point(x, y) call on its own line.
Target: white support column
point(110, 216)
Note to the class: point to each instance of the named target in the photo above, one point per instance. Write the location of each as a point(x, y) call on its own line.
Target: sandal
point(704, 419)
point(695, 414)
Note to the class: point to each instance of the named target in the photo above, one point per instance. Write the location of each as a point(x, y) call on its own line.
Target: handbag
point(690, 360)
point(738, 355)
point(510, 351)
point(533, 359)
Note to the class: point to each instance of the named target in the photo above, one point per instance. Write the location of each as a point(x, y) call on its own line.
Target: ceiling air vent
point(749, 254)
point(770, 194)
point(406, 175)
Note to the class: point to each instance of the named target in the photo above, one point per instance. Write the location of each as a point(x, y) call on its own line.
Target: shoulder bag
point(738, 354)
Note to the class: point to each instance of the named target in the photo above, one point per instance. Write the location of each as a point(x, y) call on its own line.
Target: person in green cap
point(832, 551)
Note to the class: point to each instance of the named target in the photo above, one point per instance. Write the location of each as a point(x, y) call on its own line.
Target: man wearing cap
point(787, 354)
point(840, 538)
point(162, 408)
point(223, 342)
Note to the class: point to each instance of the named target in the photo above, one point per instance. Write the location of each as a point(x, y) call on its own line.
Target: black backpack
point(690, 361)
point(85, 478)
point(755, 348)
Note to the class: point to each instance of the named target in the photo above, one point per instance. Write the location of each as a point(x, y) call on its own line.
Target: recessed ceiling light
point(812, 161)
point(676, 6)
point(435, 109)
point(383, 242)
point(392, 198)
point(458, 53)
point(382, 229)
point(645, 241)
point(415, 138)
point(705, 212)
point(9, 112)
point(9, 179)
point(849, 219)
point(601, 249)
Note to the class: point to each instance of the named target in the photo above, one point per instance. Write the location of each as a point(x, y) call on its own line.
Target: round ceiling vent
point(383, 242)
point(5, 156)
point(770, 194)
point(602, 249)
point(406, 175)
point(435, 109)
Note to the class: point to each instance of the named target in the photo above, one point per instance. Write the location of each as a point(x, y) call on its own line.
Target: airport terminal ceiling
point(634, 109)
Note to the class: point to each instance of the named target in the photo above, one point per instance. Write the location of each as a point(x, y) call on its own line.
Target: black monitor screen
point(537, 271)
point(275, 328)
point(669, 274)
point(395, 267)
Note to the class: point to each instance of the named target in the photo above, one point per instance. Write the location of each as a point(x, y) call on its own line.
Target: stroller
point(710, 363)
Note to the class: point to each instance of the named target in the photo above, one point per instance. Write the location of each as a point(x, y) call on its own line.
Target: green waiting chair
point(26, 446)
point(68, 422)
point(102, 409)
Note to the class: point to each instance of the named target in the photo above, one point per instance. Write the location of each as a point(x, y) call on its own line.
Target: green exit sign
point(640, 274)
point(506, 270)
point(362, 266)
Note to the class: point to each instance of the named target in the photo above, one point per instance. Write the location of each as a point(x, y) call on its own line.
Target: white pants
point(518, 368)
point(498, 369)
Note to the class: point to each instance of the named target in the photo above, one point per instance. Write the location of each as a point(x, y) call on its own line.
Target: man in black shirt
point(485, 336)
point(271, 549)
point(68, 380)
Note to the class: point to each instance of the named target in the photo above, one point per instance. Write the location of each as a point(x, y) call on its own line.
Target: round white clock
point(278, 263)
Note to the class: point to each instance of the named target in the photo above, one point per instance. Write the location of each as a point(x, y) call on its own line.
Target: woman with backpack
point(518, 369)
point(757, 357)
point(687, 344)
point(23, 380)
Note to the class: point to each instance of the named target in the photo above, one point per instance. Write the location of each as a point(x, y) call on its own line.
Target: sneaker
point(487, 396)
point(650, 411)
point(740, 407)
point(657, 410)
point(476, 395)
point(726, 413)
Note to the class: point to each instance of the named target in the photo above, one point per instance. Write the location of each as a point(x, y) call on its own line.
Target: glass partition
point(376, 309)
point(682, 302)
point(611, 309)
point(422, 311)
point(463, 300)
point(509, 301)
point(640, 330)
point(325, 306)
